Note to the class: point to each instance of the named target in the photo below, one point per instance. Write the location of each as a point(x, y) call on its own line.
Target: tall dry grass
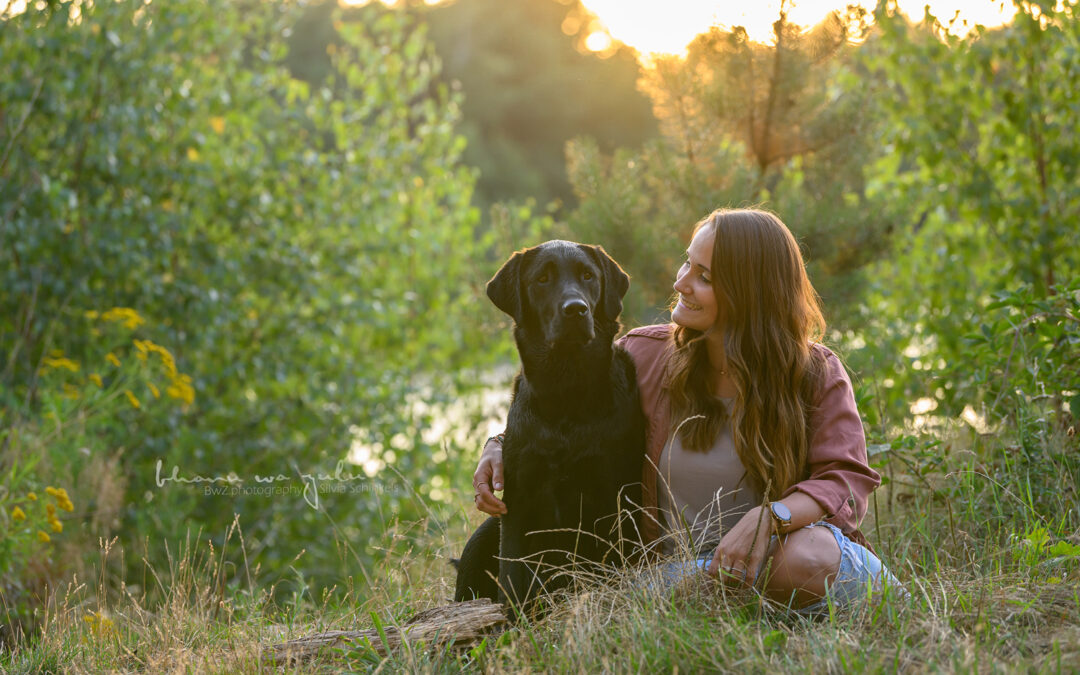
point(983, 532)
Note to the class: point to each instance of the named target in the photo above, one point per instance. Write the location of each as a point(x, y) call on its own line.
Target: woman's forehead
point(702, 243)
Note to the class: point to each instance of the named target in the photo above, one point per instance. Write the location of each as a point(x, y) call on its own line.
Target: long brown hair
point(769, 316)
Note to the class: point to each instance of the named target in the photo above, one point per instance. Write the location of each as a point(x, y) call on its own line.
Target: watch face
point(780, 511)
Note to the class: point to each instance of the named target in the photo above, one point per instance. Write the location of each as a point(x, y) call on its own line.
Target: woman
point(755, 447)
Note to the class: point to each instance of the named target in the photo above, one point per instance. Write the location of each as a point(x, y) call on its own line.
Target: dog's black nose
point(575, 307)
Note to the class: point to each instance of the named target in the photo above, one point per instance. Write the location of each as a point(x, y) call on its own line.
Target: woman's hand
point(739, 557)
point(488, 478)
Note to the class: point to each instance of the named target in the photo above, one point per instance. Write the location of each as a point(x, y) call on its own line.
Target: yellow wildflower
point(50, 509)
point(146, 346)
point(129, 317)
point(60, 362)
point(17, 515)
point(62, 500)
point(131, 399)
point(181, 388)
point(167, 359)
point(96, 379)
point(70, 391)
point(43, 537)
point(111, 358)
point(57, 526)
point(100, 624)
point(153, 390)
point(51, 491)
point(32, 496)
point(91, 314)
point(218, 125)
point(67, 505)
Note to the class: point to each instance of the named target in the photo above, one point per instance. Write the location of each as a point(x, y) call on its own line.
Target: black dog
point(575, 434)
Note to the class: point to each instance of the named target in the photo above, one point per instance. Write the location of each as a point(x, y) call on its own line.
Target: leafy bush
point(782, 125)
point(306, 253)
point(58, 432)
point(979, 143)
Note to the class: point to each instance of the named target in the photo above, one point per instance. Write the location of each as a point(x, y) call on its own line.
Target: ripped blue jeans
point(860, 574)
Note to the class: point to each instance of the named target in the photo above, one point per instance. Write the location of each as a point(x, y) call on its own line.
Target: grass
point(984, 532)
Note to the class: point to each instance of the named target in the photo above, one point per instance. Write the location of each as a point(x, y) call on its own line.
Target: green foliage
point(306, 252)
point(58, 431)
point(530, 87)
point(980, 144)
point(781, 125)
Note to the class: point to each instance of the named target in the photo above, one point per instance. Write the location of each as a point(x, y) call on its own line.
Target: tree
point(781, 125)
point(530, 86)
point(981, 143)
point(305, 251)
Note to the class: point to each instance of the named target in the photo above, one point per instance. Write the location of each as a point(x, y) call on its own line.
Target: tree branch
point(21, 126)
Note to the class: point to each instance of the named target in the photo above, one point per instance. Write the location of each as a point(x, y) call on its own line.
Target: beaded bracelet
point(501, 438)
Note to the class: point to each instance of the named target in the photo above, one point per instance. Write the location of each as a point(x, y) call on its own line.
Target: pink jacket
point(838, 476)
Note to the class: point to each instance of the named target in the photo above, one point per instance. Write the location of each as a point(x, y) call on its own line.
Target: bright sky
point(667, 26)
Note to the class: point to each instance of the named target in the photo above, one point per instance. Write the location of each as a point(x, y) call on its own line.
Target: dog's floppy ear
point(504, 289)
point(615, 281)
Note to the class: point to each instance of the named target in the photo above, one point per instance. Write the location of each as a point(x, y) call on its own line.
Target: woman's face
point(696, 308)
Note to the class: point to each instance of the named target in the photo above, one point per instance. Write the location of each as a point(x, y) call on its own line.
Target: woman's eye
point(704, 278)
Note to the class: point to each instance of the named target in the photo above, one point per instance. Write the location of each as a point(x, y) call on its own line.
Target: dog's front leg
point(516, 579)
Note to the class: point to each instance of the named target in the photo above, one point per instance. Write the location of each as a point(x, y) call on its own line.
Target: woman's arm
point(837, 487)
point(488, 477)
point(840, 479)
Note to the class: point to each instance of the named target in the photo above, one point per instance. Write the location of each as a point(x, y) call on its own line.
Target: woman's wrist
point(802, 511)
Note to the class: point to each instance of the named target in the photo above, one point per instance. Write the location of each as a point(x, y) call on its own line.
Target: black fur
point(575, 434)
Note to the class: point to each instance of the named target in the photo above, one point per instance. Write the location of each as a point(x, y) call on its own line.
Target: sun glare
point(666, 28)
point(598, 41)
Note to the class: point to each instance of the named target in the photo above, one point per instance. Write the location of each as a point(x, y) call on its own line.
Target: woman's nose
point(680, 279)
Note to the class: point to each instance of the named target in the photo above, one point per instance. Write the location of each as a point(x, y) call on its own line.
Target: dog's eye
point(543, 278)
point(587, 275)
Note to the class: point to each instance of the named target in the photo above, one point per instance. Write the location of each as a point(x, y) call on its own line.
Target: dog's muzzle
point(572, 323)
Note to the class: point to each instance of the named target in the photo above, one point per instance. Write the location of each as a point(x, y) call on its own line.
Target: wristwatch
point(781, 516)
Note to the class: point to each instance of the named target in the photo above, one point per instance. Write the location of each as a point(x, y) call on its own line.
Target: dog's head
point(562, 288)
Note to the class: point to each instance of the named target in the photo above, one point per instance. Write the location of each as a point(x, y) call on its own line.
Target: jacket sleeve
point(839, 475)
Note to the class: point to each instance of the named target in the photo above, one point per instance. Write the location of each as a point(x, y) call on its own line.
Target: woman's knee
point(804, 561)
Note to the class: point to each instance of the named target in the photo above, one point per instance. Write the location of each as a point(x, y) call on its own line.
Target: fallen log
point(459, 623)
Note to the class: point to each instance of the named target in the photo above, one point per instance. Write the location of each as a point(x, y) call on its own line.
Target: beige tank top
point(702, 494)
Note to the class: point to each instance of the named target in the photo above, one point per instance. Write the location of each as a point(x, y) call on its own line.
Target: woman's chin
point(679, 317)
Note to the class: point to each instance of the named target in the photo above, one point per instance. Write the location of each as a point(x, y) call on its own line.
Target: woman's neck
point(720, 381)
